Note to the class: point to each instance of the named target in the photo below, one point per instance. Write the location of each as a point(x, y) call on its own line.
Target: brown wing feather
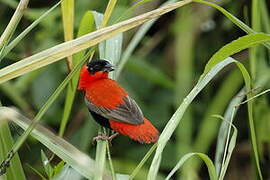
point(127, 112)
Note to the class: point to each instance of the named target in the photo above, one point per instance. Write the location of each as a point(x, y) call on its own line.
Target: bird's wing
point(127, 112)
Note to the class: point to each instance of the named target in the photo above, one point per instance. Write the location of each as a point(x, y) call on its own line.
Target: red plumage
point(111, 106)
point(144, 133)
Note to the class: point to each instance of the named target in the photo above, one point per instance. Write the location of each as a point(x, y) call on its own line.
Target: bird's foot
point(105, 137)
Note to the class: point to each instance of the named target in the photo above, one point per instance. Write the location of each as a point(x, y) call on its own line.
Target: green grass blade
point(13, 43)
point(177, 116)
point(100, 159)
point(110, 162)
point(255, 24)
point(253, 97)
point(86, 26)
point(129, 10)
point(108, 13)
point(15, 171)
point(110, 49)
point(229, 146)
point(46, 165)
point(45, 107)
point(8, 32)
point(67, 152)
point(204, 157)
point(229, 49)
point(250, 118)
point(208, 128)
point(255, 15)
point(68, 48)
point(185, 32)
point(235, 47)
point(205, 78)
point(221, 139)
point(36, 172)
point(135, 41)
point(142, 162)
point(265, 16)
point(67, 7)
point(233, 19)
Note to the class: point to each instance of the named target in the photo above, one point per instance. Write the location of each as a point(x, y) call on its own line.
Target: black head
point(99, 65)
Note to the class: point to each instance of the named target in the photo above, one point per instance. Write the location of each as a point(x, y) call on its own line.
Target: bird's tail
point(144, 133)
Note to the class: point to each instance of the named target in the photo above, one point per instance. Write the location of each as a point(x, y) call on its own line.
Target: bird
point(111, 106)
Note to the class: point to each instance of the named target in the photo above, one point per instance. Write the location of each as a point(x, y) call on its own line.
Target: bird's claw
point(105, 137)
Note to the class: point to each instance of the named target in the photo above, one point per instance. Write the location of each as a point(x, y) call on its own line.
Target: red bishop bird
point(111, 106)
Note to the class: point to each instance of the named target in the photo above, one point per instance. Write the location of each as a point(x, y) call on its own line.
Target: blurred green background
point(161, 71)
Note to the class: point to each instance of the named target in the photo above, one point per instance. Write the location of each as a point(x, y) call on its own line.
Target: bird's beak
point(108, 68)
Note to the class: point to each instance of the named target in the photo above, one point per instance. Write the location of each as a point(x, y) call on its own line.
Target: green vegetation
point(198, 69)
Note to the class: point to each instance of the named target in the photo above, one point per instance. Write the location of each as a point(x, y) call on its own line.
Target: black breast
point(100, 119)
